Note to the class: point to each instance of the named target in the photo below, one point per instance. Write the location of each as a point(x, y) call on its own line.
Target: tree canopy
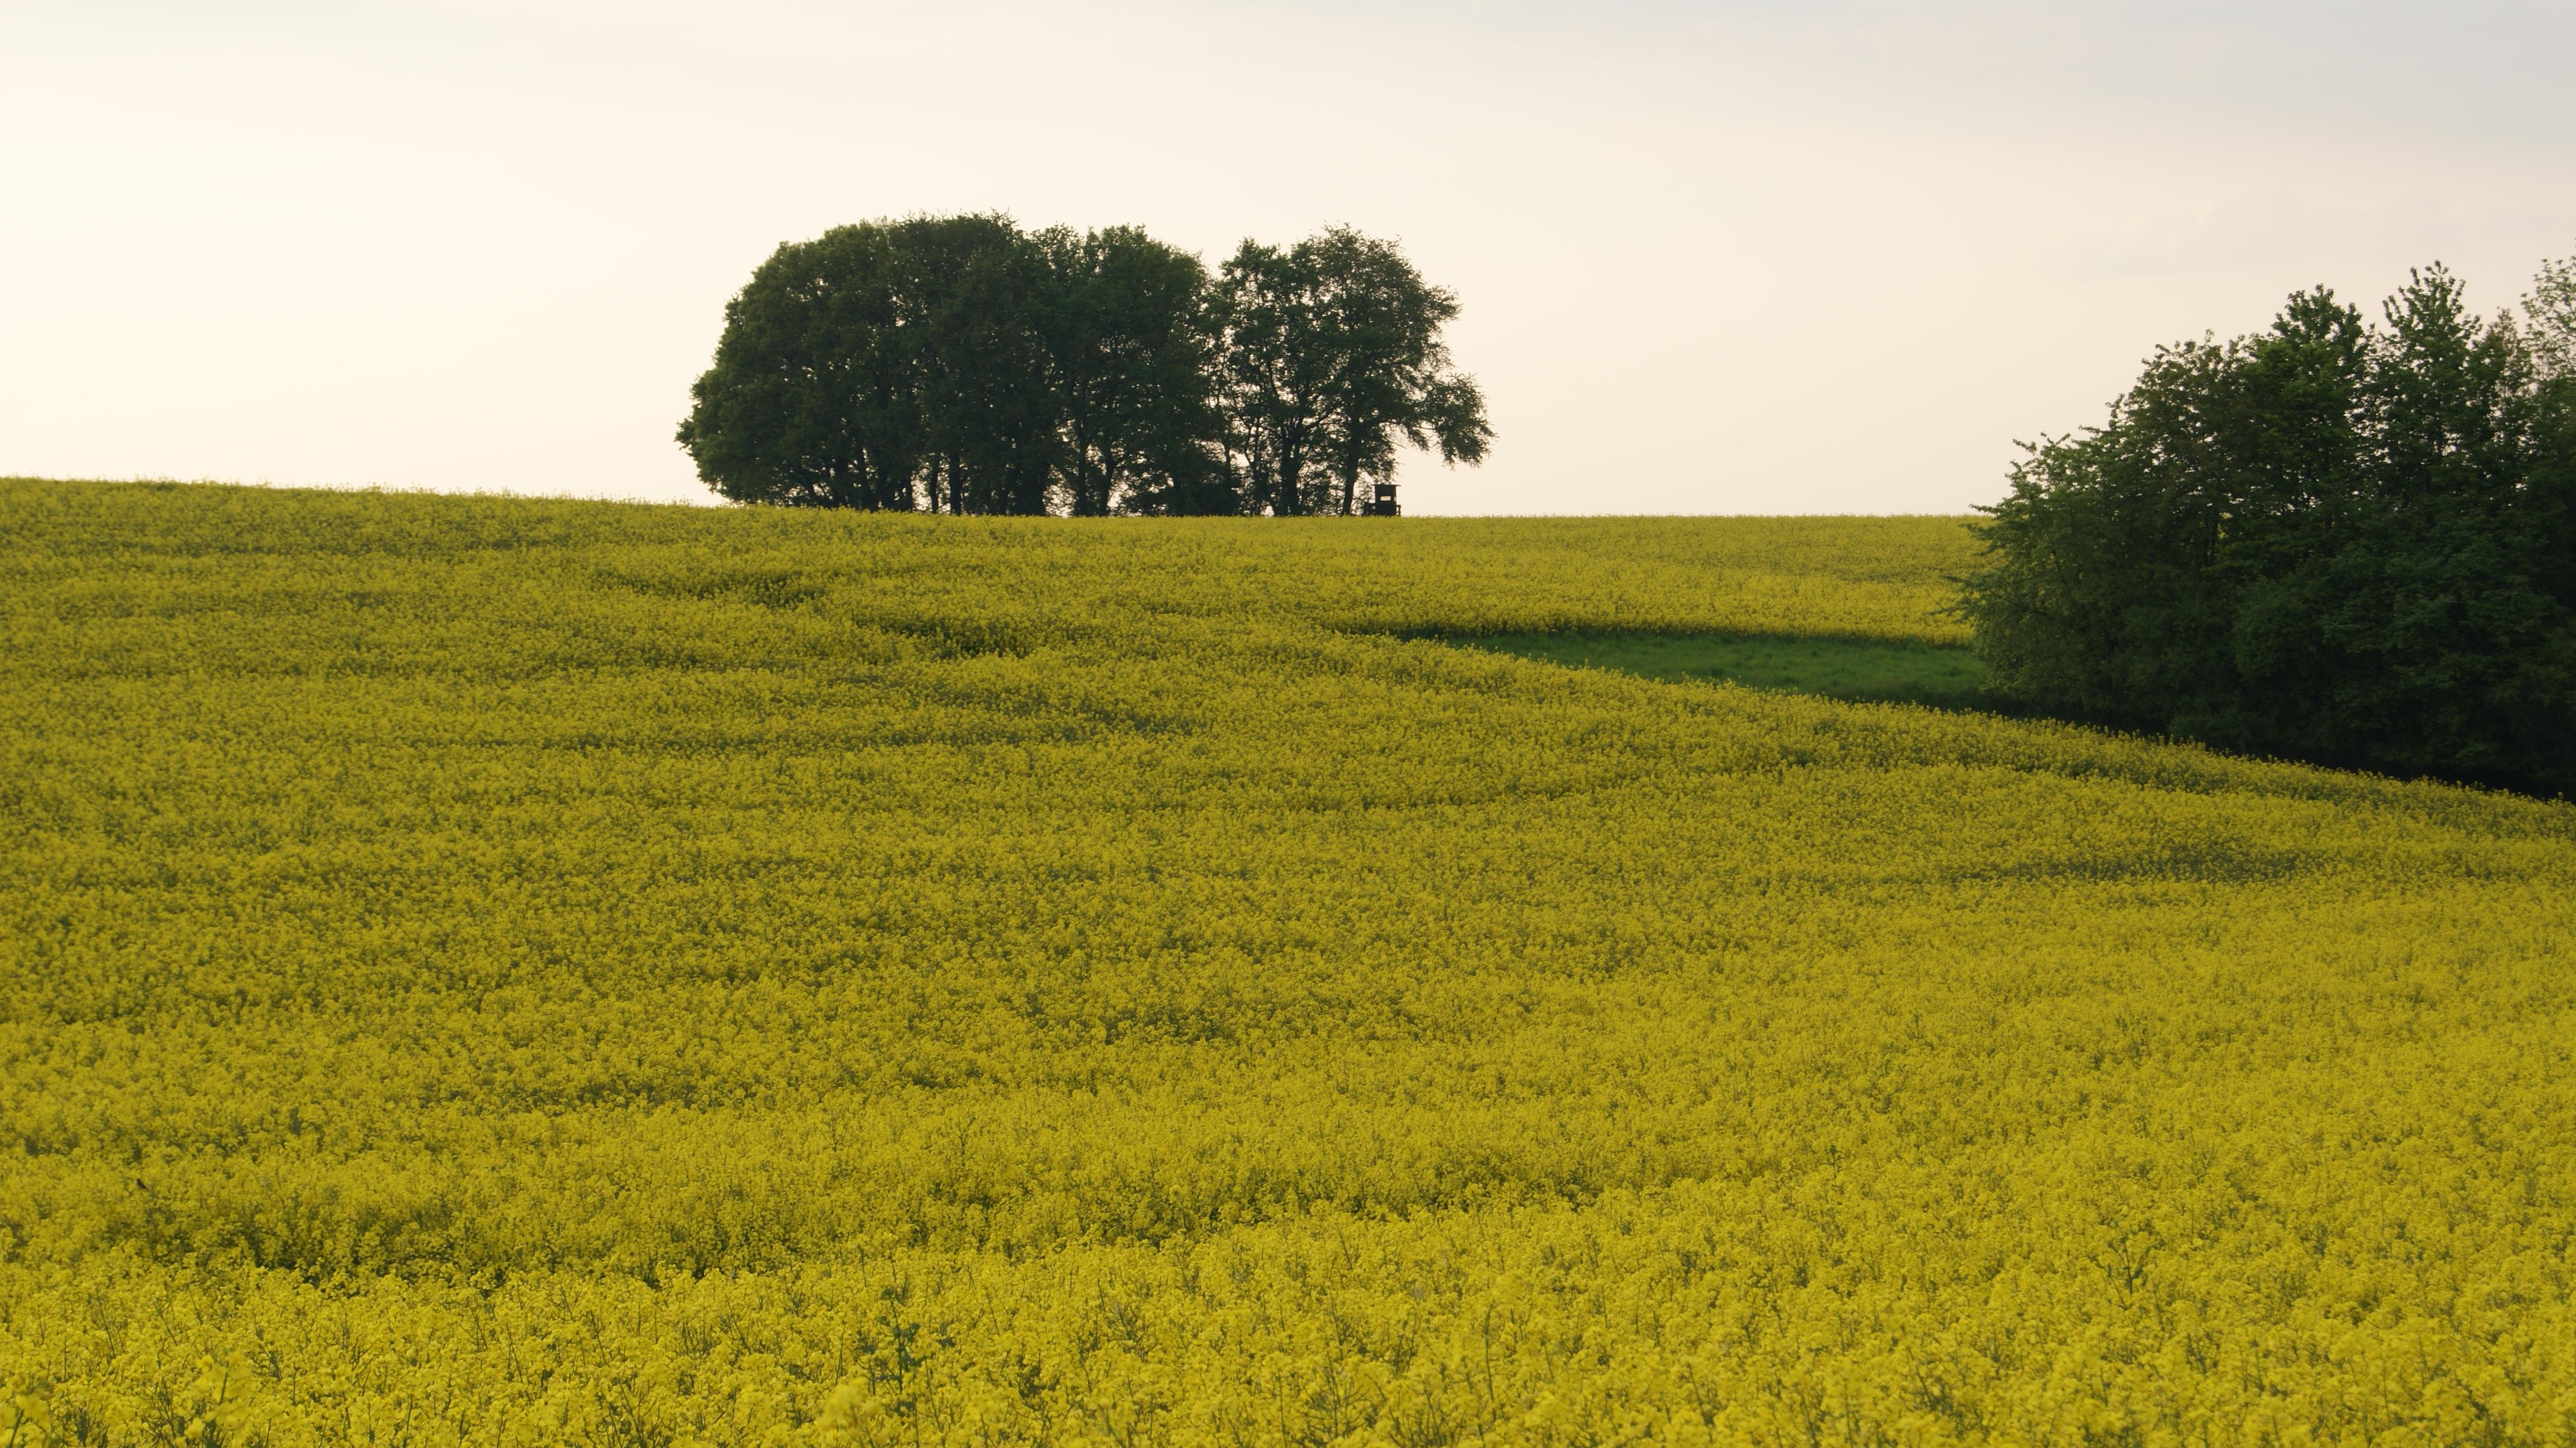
point(2334, 540)
point(1331, 352)
point(958, 364)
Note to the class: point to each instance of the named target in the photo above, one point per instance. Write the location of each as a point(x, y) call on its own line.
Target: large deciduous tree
point(814, 398)
point(974, 305)
point(1332, 353)
point(885, 365)
point(1132, 346)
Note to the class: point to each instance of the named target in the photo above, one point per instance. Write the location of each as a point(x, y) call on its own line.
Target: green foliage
point(486, 970)
point(974, 307)
point(1880, 670)
point(1333, 352)
point(882, 364)
point(1127, 327)
point(2549, 314)
point(2329, 541)
point(957, 365)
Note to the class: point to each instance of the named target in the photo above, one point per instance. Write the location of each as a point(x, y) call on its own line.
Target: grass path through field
point(1860, 670)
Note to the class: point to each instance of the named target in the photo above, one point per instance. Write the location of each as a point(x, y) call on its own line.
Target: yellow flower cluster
point(482, 970)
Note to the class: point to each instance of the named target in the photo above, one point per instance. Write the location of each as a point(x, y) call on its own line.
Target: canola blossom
point(489, 970)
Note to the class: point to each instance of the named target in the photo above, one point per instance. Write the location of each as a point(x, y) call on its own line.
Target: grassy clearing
point(1861, 670)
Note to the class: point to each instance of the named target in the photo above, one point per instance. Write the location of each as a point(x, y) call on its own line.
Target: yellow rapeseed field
point(483, 971)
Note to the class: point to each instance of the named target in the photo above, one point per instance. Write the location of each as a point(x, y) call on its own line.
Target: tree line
point(2334, 540)
point(959, 364)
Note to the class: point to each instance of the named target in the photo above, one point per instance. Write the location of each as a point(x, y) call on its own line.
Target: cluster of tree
point(2344, 542)
point(961, 365)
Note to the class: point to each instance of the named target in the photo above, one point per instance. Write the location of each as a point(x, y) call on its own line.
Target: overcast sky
point(1753, 257)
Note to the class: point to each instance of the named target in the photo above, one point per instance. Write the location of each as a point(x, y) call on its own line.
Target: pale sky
point(1715, 258)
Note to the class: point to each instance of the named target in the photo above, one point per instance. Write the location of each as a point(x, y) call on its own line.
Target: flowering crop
point(488, 970)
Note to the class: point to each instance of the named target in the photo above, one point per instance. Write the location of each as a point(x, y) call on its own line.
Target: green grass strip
point(1855, 669)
